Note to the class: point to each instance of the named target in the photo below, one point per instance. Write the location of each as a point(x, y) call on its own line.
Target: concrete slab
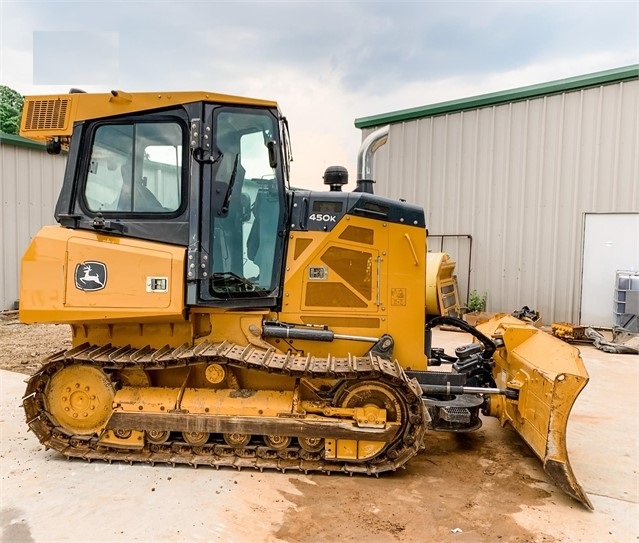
point(46, 498)
point(603, 443)
point(481, 488)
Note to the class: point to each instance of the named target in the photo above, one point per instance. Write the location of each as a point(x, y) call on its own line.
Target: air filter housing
point(335, 177)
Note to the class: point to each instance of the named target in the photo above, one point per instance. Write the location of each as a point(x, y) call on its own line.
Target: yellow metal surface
point(238, 326)
point(346, 449)
point(141, 334)
point(365, 289)
point(215, 374)
point(128, 440)
point(568, 331)
point(549, 375)
point(49, 293)
point(368, 449)
point(369, 416)
point(351, 449)
point(53, 115)
point(245, 402)
point(442, 297)
point(80, 398)
point(249, 379)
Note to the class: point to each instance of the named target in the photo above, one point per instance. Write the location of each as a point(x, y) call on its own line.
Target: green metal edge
point(563, 85)
point(19, 141)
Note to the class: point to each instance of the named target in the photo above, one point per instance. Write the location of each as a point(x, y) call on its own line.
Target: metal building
point(534, 191)
point(30, 180)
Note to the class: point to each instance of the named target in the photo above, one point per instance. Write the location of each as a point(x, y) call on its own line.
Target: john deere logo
point(90, 276)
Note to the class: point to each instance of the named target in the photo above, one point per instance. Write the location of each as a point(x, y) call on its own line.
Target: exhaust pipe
point(365, 158)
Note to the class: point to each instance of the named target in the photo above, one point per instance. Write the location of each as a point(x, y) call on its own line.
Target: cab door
point(243, 212)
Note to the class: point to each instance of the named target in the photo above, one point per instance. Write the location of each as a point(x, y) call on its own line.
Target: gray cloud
point(372, 46)
point(75, 57)
point(325, 62)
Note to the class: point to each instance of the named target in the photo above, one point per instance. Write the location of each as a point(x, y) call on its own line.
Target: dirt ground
point(482, 487)
point(23, 347)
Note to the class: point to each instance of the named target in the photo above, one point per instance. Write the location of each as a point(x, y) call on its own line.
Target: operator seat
point(141, 199)
point(261, 241)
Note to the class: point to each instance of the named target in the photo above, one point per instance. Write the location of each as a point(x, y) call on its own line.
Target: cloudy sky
point(326, 63)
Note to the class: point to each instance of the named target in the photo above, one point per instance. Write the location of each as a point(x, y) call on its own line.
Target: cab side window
point(135, 168)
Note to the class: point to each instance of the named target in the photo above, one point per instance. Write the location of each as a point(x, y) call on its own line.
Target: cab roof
point(53, 115)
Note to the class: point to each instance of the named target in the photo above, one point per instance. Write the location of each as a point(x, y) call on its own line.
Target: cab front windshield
point(246, 204)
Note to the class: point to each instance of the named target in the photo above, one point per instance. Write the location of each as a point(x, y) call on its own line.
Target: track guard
point(549, 375)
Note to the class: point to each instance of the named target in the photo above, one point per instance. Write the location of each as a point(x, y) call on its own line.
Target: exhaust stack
point(365, 158)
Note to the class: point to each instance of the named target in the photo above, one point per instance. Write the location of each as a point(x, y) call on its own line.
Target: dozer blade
point(549, 375)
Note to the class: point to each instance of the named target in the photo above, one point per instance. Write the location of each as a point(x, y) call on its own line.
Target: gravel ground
point(24, 346)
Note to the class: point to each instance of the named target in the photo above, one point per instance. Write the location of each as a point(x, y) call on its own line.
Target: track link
point(350, 369)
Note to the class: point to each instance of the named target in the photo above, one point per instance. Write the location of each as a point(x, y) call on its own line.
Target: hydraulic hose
point(489, 344)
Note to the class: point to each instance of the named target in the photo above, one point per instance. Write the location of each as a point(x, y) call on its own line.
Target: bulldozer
point(221, 317)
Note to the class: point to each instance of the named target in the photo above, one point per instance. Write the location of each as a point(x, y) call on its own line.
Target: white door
point(611, 243)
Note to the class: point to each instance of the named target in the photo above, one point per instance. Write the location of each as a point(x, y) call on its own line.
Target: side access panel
point(80, 276)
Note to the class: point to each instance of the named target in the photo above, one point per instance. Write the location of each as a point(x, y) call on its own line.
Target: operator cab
point(207, 176)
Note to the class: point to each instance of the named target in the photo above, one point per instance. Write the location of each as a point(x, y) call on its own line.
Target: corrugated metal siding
point(519, 177)
point(29, 185)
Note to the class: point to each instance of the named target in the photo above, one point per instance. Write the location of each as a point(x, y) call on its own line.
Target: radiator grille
point(46, 114)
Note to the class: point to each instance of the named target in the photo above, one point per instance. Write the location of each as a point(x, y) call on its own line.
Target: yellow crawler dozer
point(222, 318)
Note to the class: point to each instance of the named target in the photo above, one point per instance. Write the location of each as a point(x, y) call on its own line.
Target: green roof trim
point(495, 98)
point(19, 141)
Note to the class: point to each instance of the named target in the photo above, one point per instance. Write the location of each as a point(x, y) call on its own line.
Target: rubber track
point(259, 457)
